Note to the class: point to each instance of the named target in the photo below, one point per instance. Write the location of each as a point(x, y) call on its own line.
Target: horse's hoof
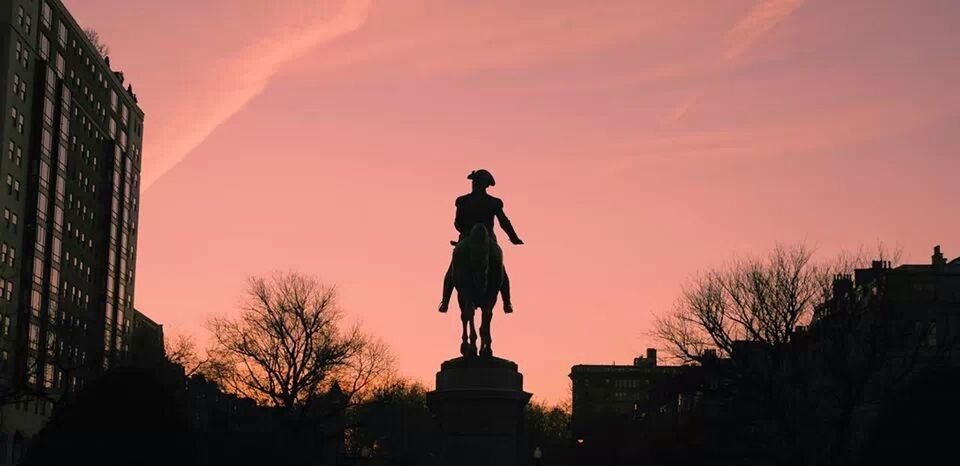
point(465, 350)
point(444, 306)
point(486, 353)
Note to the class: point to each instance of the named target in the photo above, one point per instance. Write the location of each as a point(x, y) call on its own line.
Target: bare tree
point(102, 48)
point(368, 369)
point(182, 350)
point(287, 345)
point(762, 300)
point(808, 344)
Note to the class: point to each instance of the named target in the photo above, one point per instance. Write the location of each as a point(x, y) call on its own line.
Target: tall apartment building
point(71, 151)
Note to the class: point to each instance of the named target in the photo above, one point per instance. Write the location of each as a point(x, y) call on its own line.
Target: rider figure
point(480, 207)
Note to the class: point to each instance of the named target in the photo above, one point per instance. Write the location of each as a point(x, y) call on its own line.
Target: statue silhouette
point(476, 269)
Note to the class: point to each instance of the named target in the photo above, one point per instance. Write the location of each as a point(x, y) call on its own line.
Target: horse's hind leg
point(468, 345)
point(473, 336)
point(464, 346)
point(486, 341)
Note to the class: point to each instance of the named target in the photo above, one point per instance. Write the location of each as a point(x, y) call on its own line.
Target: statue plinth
point(478, 404)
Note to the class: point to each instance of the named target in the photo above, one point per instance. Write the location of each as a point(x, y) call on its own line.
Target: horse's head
point(479, 244)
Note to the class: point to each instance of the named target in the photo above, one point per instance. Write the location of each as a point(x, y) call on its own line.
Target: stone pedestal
point(478, 404)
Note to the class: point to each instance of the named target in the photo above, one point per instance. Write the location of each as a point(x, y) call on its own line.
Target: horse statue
point(477, 276)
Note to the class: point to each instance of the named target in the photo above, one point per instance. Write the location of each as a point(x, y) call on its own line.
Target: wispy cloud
point(762, 17)
point(231, 83)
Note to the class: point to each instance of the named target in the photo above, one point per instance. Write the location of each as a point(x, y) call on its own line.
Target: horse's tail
point(480, 257)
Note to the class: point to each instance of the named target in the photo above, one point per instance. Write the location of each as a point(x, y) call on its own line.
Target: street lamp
point(537, 455)
point(365, 454)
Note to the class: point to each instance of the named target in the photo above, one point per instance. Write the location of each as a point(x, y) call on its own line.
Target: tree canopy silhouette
point(287, 345)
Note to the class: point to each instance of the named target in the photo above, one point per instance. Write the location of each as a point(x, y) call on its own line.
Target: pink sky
point(634, 143)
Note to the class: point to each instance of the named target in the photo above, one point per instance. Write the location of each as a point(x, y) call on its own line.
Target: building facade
point(146, 342)
point(71, 136)
point(615, 395)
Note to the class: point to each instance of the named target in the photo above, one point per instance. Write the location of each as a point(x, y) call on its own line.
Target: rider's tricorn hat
point(483, 177)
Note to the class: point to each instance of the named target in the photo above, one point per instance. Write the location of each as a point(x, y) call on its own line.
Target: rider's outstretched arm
point(508, 227)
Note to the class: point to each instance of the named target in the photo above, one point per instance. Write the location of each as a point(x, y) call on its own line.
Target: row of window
point(24, 20)
point(15, 152)
point(13, 186)
point(23, 55)
point(6, 289)
point(17, 119)
point(8, 254)
point(11, 219)
point(79, 207)
point(77, 296)
point(78, 264)
point(20, 87)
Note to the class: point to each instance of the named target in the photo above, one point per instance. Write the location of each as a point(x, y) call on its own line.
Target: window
point(20, 89)
point(34, 336)
point(46, 14)
point(17, 118)
point(23, 55)
point(62, 34)
point(44, 47)
point(113, 98)
point(61, 65)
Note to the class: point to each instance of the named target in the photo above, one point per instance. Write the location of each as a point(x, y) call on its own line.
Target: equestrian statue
point(476, 270)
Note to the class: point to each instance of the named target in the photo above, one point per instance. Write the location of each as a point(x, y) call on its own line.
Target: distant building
point(914, 326)
point(70, 162)
point(609, 395)
point(921, 306)
point(146, 344)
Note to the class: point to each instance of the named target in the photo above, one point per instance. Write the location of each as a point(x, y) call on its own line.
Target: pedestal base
point(478, 404)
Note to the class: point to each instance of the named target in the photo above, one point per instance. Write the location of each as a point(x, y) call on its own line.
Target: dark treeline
point(782, 361)
point(790, 361)
point(283, 382)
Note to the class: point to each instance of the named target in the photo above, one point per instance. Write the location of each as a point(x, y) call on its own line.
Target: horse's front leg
point(486, 341)
point(464, 346)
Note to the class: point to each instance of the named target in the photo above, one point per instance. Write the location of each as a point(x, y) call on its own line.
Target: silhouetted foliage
point(126, 417)
point(287, 346)
point(917, 424)
point(546, 428)
point(392, 426)
point(102, 48)
point(809, 351)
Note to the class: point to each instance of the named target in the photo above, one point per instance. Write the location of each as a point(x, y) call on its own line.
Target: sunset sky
point(634, 143)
